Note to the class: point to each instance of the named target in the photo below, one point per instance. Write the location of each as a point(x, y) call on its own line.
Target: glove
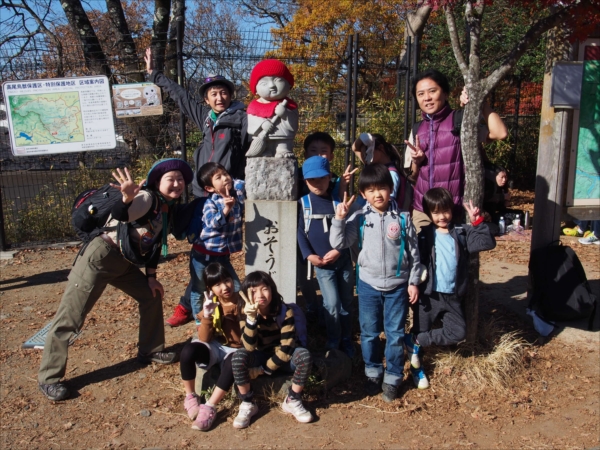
point(250, 308)
point(255, 372)
point(208, 307)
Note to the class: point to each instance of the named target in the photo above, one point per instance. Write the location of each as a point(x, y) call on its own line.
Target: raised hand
point(149, 61)
point(126, 185)
point(464, 97)
point(208, 307)
point(473, 211)
point(250, 308)
point(416, 153)
point(343, 208)
point(229, 201)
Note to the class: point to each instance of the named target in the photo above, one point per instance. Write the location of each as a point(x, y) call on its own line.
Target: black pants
point(243, 360)
point(429, 308)
point(197, 353)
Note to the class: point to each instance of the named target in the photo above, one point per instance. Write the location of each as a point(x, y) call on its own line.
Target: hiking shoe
point(591, 239)
point(205, 419)
point(157, 357)
point(247, 410)
point(54, 391)
point(572, 232)
point(389, 392)
point(191, 404)
point(413, 349)
point(373, 386)
point(180, 316)
point(297, 409)
point(419, 378)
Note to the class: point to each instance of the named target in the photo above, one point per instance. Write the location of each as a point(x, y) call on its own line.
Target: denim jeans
point(335, 281)
point(383, 311)
point(198, 263)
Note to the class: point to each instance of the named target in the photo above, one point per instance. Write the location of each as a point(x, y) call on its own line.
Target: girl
point(219, 335)
point(388, 155)
point(150, 205)
point(269, 337)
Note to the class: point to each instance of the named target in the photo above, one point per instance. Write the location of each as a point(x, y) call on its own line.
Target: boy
point(224, 126)
point(221, 233)
point(333, 267)
point(387, 278)
point(444, 250)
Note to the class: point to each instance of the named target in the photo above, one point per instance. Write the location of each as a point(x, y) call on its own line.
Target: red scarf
point(267, 110)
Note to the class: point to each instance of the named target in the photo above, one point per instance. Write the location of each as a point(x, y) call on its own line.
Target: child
point(445, 250)
point(388, 274)
point(270, 344)
point(221, 233)
point(333, 267)
point(219, 335)
point(388, 155)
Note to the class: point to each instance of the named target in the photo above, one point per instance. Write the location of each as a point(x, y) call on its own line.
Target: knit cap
point(270, 68)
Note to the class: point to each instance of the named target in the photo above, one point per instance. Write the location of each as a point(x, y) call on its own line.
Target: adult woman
point(436, 155)
point(150, 205)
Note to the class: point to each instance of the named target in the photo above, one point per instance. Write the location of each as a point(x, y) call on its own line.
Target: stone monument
point(271, 182)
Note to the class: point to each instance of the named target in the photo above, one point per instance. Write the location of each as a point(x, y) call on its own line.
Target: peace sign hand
point(208, 307)
point(343, 208)
point(473, 211)
point(228, 200)
point(148, 59)
point(250, 308)
point(126, 185)
point(416, 153)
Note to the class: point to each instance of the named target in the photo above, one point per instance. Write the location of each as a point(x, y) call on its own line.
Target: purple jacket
point(443, 165)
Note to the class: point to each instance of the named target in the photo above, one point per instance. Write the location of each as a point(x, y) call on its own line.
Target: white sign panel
point(59, 115)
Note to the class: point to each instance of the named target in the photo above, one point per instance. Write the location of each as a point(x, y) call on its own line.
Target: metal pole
point(413, 109)
point(515, 134)
point(3, 245)
point(180, 79)
point(407, 93)
point(348, 136)
point(354, 103)
point(398, 78)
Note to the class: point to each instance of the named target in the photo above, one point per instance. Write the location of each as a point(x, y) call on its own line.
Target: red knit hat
point(270, 68)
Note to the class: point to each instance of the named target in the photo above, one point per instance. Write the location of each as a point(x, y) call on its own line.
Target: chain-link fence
point(38, 191)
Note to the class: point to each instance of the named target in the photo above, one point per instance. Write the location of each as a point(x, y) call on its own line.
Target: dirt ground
point(552, 401)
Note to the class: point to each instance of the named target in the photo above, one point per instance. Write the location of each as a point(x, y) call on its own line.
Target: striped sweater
point(265, 335)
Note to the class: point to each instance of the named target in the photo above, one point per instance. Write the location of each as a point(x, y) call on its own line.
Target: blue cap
point(315, 167)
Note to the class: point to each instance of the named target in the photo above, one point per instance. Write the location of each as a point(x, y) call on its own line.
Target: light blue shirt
point(444, 280)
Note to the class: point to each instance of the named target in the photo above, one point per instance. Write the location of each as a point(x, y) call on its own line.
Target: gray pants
point(99, 265)
point(446, 306)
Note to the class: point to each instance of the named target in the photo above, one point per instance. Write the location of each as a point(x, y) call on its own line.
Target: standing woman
point(436, 157)
point(142, 220)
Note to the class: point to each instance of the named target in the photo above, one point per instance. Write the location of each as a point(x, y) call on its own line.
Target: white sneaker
point(297, 409)
point(247, 410)
point(590, 239)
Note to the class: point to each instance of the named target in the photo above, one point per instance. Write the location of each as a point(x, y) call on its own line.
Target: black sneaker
point(389, 392)
point(157, 357)
point(54, 391)
point(373, 386)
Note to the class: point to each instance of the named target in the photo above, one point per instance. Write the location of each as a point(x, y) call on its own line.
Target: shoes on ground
point(180, 317)
point(389, 392)
point(54, 391)
point(373, 386)
point(413, 349)
point(297, 409)
point(247, 410)
point(419, 378)
point(157, 357)
point(206, 417)
point(590, 239)
point(191, 404)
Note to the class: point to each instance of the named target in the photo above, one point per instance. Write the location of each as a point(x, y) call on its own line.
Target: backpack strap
point(307, 208)
point(457, 118)
point(415, 129)
point(402, 243)
point(335, 191)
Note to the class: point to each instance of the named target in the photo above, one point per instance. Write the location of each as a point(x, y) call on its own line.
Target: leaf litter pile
point(509, 390)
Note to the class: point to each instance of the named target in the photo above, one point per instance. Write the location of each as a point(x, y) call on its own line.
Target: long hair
point(259, 277)
point(214, 274)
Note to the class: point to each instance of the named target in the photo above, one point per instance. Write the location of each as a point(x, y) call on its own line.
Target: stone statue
point(273, 117)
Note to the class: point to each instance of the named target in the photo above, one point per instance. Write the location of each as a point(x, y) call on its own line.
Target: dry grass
point(494, 369)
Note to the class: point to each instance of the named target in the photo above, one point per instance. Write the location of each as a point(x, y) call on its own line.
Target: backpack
point(91, 211)
point(308, 215)
point(456, 123)
point(189, 219)
point(403, 233)
point(299, 321)
point(560, 290)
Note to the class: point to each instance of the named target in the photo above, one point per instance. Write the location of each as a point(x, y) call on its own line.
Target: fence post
point(348, 136)
point(3, 245)
point(354, 103)
point(181, 81)
point(515, 134)
point(413, 109)
point(407, 99)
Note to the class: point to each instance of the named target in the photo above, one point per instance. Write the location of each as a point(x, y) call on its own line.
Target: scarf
point(164, 210)
point(267, 110)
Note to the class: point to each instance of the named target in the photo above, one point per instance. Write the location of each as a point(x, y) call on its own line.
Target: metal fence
point(337, 78)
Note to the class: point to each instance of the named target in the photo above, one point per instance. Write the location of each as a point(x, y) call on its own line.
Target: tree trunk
point(95, 59)
point(177, 20)
point(125, 42)
point(159, 32)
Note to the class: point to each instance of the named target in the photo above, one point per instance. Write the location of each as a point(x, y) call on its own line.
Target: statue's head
point(271, 80)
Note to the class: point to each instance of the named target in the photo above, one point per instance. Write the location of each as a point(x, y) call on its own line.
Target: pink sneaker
point(192, 404)
point(205, 419)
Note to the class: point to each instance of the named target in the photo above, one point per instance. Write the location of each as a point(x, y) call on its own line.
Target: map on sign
point(59, 115)
point(42, 119)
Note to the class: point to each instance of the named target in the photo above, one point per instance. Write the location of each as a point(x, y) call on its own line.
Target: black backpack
point(560, 290)
point(91, 211)
point(456, 123)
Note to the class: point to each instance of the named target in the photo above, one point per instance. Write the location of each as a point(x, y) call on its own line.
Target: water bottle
point(501, 226)
point(517, 223)
point(526, 221)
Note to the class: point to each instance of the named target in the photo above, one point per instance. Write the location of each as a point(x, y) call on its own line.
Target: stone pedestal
point(271, 179)
point(270, 242)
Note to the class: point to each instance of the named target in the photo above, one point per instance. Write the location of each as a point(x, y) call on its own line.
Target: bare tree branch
point(278, 12)
point(454, 40)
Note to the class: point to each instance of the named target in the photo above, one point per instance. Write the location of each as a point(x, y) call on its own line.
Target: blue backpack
point(308, 215)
